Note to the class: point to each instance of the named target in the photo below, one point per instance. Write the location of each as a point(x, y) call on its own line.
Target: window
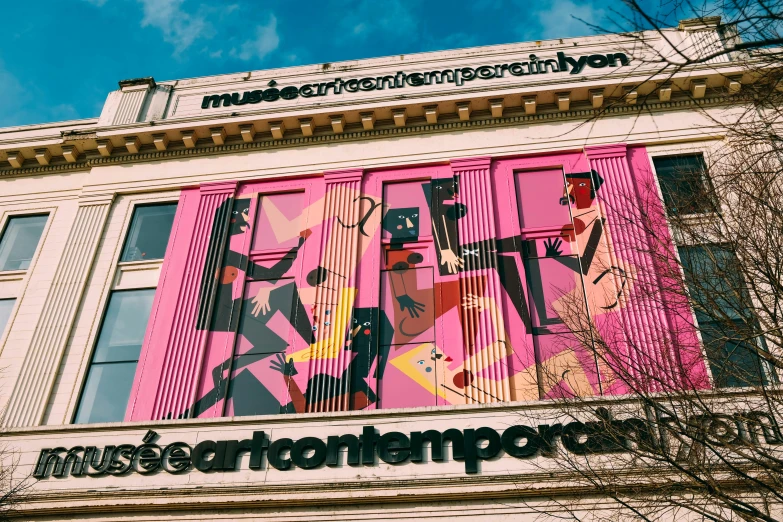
point(113, 366)
point(149, 232)
point(724, 315)
point(684, 184)
point(6, 305)
point(19, 241)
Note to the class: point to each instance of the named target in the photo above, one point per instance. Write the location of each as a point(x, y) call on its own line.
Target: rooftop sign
point(457, 76)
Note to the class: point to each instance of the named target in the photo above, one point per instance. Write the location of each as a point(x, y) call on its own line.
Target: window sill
point(12, 275)
point(137, 274)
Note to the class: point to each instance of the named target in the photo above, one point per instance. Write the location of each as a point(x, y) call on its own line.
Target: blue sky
point(60, 58)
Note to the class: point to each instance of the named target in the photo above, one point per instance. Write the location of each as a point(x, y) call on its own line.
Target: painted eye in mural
point(367, 323)
point(433, 351)
point(246, 211)
point(401, 217)
point(420, 362)
point(414, 215)
point(583, 184)
point(235, 212)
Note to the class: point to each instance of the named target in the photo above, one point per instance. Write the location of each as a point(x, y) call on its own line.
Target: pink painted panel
point(464, 283)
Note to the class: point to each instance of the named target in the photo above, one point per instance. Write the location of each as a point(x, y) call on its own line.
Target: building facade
point(332, 292)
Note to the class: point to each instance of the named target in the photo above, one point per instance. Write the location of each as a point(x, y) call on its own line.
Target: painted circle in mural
point(463, 379)
point(415, 258)
point(229, 275)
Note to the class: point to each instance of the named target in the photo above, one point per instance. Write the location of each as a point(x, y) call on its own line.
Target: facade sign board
point(457, 76)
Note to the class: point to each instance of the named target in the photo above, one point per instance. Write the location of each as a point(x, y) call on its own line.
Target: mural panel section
point(409, 287)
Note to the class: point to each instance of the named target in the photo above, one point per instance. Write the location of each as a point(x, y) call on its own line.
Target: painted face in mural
point(402, 224)
point(240, 217)
point(581, 188)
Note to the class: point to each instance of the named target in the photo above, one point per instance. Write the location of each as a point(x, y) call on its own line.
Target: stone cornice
point(267, 142)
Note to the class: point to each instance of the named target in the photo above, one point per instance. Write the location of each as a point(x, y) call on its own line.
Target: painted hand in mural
point(552, 247)
point(280, 365)
point(261, 301)
point(451, 260)
point(406, 303)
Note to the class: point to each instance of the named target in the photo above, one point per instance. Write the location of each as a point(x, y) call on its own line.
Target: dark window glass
point(149, 232)
point(683, 182)
point(109, 379)
point(19, 241)
point(725, 317)
point(6, 305)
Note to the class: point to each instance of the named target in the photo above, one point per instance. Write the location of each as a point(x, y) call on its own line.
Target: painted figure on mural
point(247, 315)
point(428, 278)
point(314, 375)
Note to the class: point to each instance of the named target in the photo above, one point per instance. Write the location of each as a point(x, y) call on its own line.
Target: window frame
point(768, 375)
point(129, 229)
point(713, 207)
point(6, 220)
point(112, 272)
point(94, 346)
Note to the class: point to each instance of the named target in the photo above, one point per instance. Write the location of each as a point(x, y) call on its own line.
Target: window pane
point(683, 183)
point(541, 199)
point(721, 303)
point(6, 305)
point(733, 360)
point(149, 232)
point(19, 241)
point(122, 332)
point(106, 393)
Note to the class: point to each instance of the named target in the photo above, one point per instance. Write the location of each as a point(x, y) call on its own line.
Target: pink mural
point(479, 281)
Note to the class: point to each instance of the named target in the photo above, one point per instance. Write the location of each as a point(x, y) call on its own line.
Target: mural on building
point(409, 287)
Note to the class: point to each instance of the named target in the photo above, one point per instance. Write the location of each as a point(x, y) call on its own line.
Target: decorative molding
point(596, 98)
point(400, 117)
point(248, 132)
point(347, 175)
point(43, 156)
point(105, 148)
point(619, 150)
point(463, 110)
point(477, 163)
point(377, 133)
point(338, 123)
point(563, 101)
point(431, 113)
point(529, 102)
point(15, 158)
point(161, 141)
point(368, 120)
point(496, 107)
point(277, 128)
point(133, 144)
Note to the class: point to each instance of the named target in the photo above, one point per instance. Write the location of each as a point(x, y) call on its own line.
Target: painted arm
point(288, 369)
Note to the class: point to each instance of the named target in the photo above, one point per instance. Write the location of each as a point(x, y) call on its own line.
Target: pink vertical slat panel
point(338, 254)
point(484, 339)
point(169, 366)
point(641, 334)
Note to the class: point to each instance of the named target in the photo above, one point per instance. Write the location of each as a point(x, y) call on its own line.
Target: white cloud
point(265, 42)
point(96, 3)
point(179, 27)
point(370, 18)
point(564, 19)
